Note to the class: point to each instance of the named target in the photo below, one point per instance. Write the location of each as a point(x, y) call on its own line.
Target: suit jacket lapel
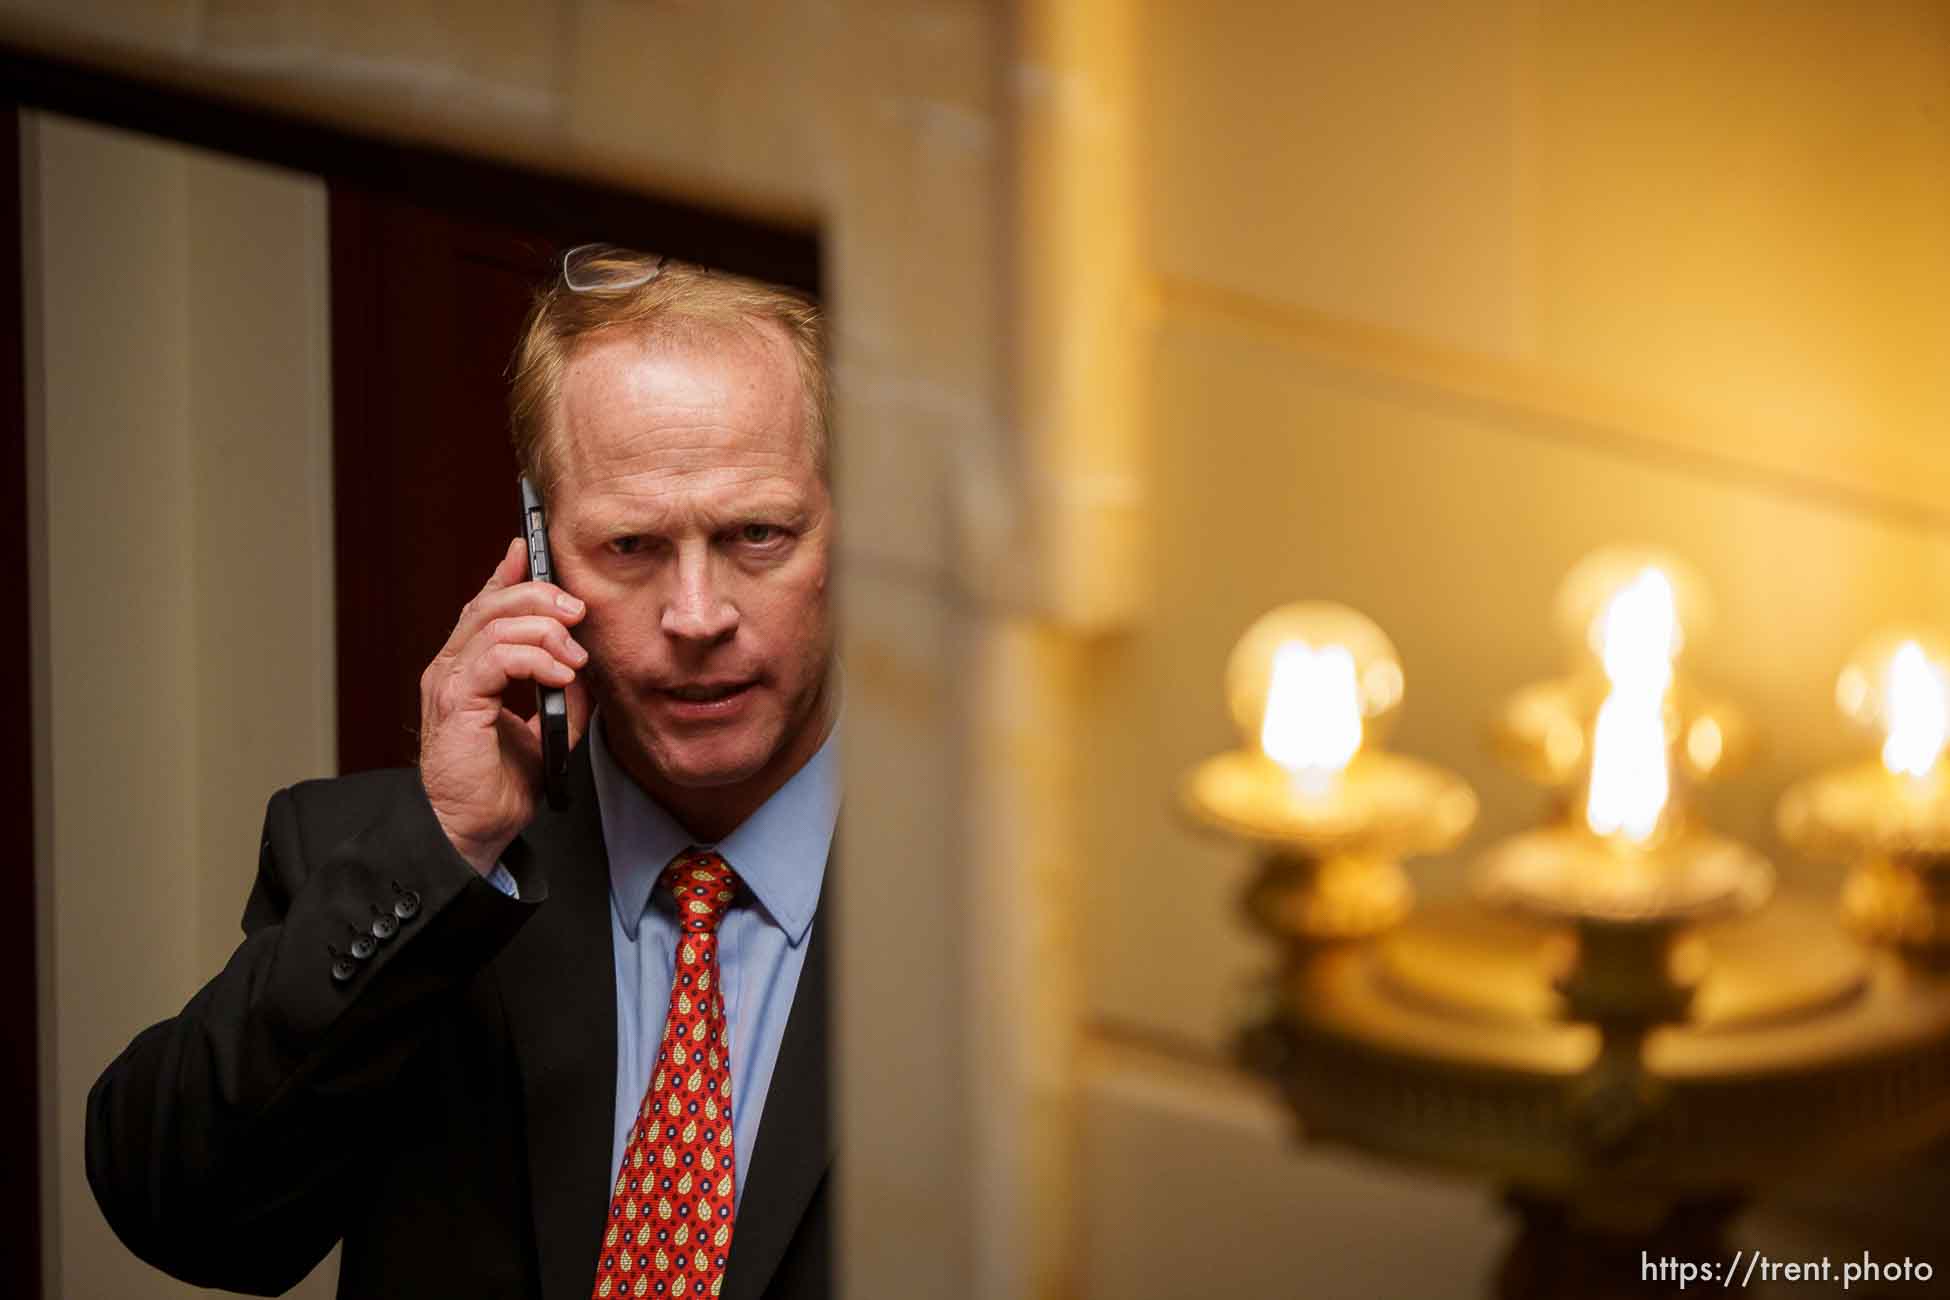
point(795, 1138)
point(558, 978)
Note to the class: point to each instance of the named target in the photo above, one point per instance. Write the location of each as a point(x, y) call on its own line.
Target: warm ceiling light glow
point(1312, 725)
point(1630, 780)
point(1916, 710)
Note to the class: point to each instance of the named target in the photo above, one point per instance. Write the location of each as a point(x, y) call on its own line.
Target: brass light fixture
point(1889, 816)
point(1626, 1029)
point(1313, 689)
point(1627, 868)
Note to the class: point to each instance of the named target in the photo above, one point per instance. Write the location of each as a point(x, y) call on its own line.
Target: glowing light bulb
point(1640, 634)
point(1917, 712)
point(1630, 773)
point(1311, 685)
point(1312, 725)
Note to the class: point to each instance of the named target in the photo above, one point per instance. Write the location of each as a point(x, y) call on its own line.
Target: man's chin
point(707, 777)
point(688, 768)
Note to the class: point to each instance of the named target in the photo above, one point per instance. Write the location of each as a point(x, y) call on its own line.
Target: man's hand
point(480, 763)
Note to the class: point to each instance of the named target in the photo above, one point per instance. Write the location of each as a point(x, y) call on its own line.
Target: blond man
point(501, 1049)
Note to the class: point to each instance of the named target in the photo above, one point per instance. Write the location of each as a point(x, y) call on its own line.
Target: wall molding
point(1530, 399)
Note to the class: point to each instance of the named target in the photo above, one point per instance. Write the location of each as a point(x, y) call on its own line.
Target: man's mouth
point(706, 692)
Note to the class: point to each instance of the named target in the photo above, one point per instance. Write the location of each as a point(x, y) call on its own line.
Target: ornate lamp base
point(1304, 901)
point(1443, 1044)
point(1904, 903)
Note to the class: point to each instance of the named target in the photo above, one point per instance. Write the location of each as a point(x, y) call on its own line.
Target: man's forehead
point(711, 396)
point(660, 504)
point(756, 351)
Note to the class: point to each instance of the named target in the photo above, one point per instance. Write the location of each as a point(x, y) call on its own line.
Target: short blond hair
point(604, 289)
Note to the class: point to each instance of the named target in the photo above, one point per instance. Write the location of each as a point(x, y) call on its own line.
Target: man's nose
point(698, 609)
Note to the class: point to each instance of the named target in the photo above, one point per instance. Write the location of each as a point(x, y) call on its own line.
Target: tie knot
point(704, 886)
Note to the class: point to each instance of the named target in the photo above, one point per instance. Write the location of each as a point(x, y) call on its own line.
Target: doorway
point(428, 259)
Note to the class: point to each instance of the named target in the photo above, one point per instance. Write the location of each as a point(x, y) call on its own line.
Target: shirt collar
point(779, 851)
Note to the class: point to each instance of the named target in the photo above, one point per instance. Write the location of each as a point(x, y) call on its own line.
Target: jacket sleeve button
point(343, 969)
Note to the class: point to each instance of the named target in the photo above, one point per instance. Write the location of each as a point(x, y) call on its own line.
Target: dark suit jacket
point(448, 1109)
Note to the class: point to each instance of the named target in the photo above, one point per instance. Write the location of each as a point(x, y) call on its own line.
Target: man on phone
point(499, 1049)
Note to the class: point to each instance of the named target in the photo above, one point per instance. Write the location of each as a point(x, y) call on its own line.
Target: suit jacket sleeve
point(224, 1143)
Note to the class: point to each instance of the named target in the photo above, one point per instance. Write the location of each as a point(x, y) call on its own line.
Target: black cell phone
point(551, 702)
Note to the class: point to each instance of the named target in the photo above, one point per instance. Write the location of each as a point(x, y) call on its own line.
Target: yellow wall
point(1435, 299)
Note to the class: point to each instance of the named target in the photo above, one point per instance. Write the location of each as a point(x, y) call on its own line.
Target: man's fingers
point(536, 629)
point(512, 569)
point(514, 596)
point(509, 570)
point(488, 674)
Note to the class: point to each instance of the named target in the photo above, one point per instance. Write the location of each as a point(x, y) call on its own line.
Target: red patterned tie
point(670, 1218)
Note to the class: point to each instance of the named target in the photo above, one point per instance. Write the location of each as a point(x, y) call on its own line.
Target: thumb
point(580, 707)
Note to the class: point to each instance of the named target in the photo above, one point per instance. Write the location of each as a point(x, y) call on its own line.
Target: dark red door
point(425, 310)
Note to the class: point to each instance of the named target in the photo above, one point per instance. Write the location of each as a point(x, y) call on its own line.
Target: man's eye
point(758, 534)
point(626, 545)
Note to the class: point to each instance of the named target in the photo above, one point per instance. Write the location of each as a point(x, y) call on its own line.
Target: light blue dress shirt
point(779, 852)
